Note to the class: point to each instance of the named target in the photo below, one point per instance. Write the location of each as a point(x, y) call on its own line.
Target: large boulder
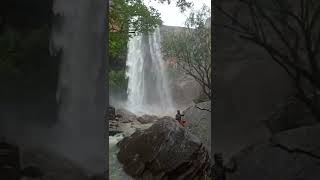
point(166, 150)
point(293, 154)
point(198, 119)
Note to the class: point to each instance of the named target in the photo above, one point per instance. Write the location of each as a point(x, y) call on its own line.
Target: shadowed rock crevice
point(297, 151)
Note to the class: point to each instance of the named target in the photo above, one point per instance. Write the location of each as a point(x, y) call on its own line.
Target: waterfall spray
point(148, 91)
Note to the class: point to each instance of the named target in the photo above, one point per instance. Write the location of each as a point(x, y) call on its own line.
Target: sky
point(170, 14)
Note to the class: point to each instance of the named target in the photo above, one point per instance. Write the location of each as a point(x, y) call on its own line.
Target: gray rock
point(199, 121)
point(125, 116)
point(145, 119)
point(166, 150)
point(294, 154)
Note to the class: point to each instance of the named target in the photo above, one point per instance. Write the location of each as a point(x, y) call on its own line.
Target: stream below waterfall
point(115, 168)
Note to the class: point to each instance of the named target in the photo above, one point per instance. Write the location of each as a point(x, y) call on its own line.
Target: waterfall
point(80, 35)
point(148, 91)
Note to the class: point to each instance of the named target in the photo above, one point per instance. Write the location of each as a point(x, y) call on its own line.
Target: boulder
point(293, 154)
point(145, 119)
point(198, 119)
point(125, 116)
point(166, 150)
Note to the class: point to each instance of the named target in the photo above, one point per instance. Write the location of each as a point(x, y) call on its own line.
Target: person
point(179, 116)
point(219, 171)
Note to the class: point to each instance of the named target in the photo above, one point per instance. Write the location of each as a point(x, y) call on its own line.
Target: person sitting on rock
point(179, 117)
point(218, 170)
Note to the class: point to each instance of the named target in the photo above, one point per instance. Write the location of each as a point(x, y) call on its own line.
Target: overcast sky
point(170, 14)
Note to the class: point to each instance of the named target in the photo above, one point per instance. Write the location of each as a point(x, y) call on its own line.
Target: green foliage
point(117, 43)
point(117, 81)
point(128, 15)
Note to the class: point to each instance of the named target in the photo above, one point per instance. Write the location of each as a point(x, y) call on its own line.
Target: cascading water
point(148, 91)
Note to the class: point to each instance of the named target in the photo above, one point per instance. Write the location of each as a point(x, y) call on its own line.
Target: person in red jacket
point(179, 118)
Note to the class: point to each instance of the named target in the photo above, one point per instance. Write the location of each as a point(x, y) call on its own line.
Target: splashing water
point(148, 91)
point(115, 168)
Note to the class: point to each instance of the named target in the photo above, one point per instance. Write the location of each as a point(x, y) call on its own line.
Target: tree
point(128, 15)
point(192, 49)
point(290, 34)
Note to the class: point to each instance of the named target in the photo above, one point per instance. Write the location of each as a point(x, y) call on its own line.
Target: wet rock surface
point(125, 116)
point(119, 117)
point(123, 121)
point(166, 150)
